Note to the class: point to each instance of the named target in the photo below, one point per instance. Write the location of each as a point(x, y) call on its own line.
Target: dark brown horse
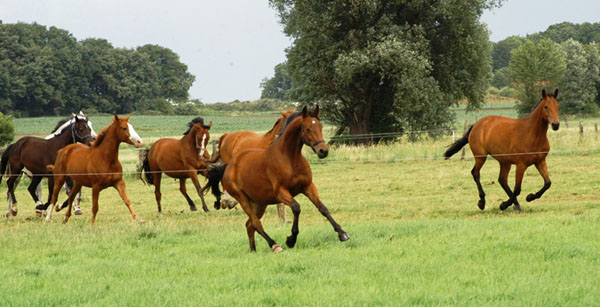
point(35, 153)
point(259, 177)
point(232, 144)
point(97, 166)
point(181, 159)
point(520, 141)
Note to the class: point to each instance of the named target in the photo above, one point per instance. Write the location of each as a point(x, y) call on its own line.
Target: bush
point(492, 90)
point(7, 129)
point(508, 92)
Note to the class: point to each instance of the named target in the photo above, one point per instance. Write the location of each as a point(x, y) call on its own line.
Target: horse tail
point(216, 155)
point(456, 146)
point(146, 169)
point(4, 161)
point(215, 175)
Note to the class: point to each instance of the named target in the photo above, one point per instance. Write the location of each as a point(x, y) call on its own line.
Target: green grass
point(417, 238)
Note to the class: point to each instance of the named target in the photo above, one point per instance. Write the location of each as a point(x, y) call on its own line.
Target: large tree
point(578, 86)
point(279, 85)
point(534, 66)
point(380, 66)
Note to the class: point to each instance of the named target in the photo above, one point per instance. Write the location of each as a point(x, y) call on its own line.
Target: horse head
point(312, 132)
point(89, 123)
point(126, 133)
point(550, 109)
point(202, 137)
point(82, 132)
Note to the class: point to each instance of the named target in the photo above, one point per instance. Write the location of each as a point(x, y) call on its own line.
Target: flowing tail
point(456, 146)
point(146, 169)
point(215, 175)
point(4, 161)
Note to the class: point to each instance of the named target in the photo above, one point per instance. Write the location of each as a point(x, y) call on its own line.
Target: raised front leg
point(312, 194)
point(543, 169)
point(120, 186)
point(286, 198)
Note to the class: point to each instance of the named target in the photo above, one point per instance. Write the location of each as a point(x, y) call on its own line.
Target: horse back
point(232, 144)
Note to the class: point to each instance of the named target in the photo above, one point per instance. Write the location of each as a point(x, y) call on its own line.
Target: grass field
point(417, 236)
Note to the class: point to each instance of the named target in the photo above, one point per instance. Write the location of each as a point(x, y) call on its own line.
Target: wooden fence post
point(596, 127)
point(566, 122)
point(462, 156)
point(580, 127)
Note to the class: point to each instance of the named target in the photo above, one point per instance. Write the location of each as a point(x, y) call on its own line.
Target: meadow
point(417, 236)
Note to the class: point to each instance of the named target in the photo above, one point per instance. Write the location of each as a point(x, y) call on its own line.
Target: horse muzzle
point(555, 126)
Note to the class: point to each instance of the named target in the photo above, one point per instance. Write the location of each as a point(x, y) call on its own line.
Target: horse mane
point(102, 135)
point(197, 120)
point(60, 127)
point(287, 122)
point(60, 124)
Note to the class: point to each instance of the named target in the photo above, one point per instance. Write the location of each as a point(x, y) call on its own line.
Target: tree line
point(46, 71)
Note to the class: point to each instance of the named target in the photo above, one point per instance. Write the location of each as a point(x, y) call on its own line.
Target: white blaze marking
point(314, 122)
point(203, 148)
point(133, 136)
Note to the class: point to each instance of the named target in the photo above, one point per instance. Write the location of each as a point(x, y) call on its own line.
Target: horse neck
point(64, 138)
point(537, 127)
point(271, 134)
point(290, 143)
point(189, 140)
point(110, 144)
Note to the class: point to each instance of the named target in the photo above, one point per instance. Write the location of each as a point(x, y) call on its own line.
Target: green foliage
point(492, 90)
point(534, 66)
point(585, 33)
point(379, 66)
point(578, 87)
point(501, 77)
point(261, 105)
point(46, 71)
point(502, 50)
point(279, 85)
point(508, 92)
point(7, 129)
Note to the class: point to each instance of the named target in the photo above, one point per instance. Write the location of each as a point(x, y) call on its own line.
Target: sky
point(231, 45)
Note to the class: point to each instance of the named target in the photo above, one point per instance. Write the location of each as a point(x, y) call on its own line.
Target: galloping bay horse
point(35, 153)
point(259, 177)
point(179, 159)
point(97, 166)
point(520, 141)
point(232, 144)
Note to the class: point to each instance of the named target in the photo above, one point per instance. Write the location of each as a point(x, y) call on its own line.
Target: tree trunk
point(359, 129)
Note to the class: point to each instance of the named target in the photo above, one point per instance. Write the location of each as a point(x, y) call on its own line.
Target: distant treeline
point(46, 71)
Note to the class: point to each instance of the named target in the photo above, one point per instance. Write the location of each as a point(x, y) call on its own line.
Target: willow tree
point(387, 66)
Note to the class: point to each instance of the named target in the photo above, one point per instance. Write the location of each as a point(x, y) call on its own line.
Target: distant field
point(417, 236)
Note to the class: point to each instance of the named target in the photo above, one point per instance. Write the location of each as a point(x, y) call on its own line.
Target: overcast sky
point(231, 45)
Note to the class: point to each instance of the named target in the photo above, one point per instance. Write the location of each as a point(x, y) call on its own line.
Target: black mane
point(197, 120)
point(287, 122)
point(60, 123)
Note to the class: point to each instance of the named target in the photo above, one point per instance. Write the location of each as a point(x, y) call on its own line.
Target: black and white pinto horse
point(40, 207)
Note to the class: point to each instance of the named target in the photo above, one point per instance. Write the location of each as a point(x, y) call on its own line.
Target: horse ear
point(544, 93)
point(209, 124)
point(555, 93)
point(116, 117)
point(315, 112)
point(304, 112)
point(127, 117)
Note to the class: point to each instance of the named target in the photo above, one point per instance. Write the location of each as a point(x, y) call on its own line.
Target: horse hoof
point(38, 213)
point(344, 237)
point(205, 209)
point(14, 213)
point(77, 212)
point(505, 205)
point(290, 242)
point(530, 197)
point(193, 208)
point(58, 208)
point(481, 204)
point(217, 205)
point(517, 208)
point(65, 219)
point(276, 248)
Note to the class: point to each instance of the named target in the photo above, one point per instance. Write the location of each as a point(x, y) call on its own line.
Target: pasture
point(417, 236)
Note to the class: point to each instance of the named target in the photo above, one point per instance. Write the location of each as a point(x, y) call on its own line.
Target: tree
point(533, 66)
point(578, 86)
point(7, 129)
point(380, 66)
point(502, 49)
point(279, 85)
point(501, 77)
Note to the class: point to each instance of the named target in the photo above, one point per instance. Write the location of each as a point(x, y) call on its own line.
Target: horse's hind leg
point(68, 187)
point(183, 191)
point(503, 180)
point(72, 194)
point(156, 177)
point(194, 177)
point(543, 169)
point(312, 194)
point(286, 198)
point(475, 172)
point(56, 186)
point(253, 210)
point(14, 174)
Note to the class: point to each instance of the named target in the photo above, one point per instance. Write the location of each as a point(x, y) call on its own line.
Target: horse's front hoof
point(193, 208)
point(481, 204)
point(205, 209)
point(64, 205)
point(290, 242)
point(505, 205)
point(38, 213)
point(344, 237)
point(217, 205)
point(65, 219)
point(530, 197)
point(13, 212)
point(77, 211)
point(276, 248)
point(517, 208)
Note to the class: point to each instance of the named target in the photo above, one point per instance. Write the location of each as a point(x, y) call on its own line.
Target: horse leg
point(33, 187)
point(543, 169)
point(284, 197)
point(76, 203)
point(479, 161)
point(67, 185)
point(250, 230)
point(57, 184)
point(518, 180)
point(227, 201)
point(120, 186)
point(72, 194)
point(183, 191)
point(156, 177)
point(312, 194)
point(252, 210)
point(194, 177)
point(503, 180)
point(95, 193)
point(14, 174)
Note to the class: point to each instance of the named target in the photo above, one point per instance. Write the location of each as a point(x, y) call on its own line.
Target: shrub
point(7, 129)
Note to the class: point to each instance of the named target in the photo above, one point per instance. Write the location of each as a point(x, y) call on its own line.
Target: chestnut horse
point(180, 159)
point(520, 141)
point(260, 177)
point(35, 153)
point(232, 144)
point(97, 166)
